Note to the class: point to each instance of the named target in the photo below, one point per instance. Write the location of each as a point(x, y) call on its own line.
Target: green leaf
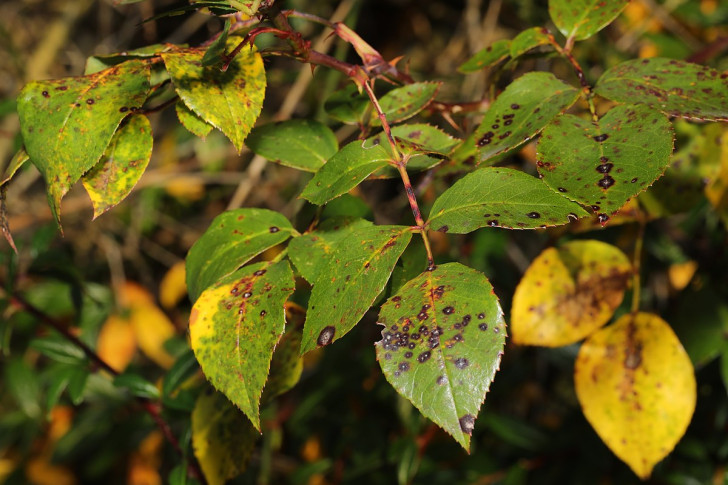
point(99, 63)
point(68, 123)
point(529, 39)
point(137, 385)
point(580, 19)
point(701, 323)
point(222, 438)
point(58, 378)
point(184, 368)
point(22, 384)
point(442, 344)
point(676, 87)
point(500, 197)
point(233, 239)
point(494, 53)
point(521, 111)
point(301, 144)
point(59, 349)
point(406, 101)
point(214, 54)
point(355, 273)
point(16, 162)
point(347, 206)
point(194, 124)
point(309, 251)
point(126, 158)
point(348, 105)
point(236, 325)
point(230, 101)
point(416, 141)
point(247, 7)
point(346, 169)
point(77, 379)
point(604, 164)
point(285, 367)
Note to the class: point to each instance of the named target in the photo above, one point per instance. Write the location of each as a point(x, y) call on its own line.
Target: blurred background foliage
point(117, 282)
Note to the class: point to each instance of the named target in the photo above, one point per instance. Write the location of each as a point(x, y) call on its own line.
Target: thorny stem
point(152, 408)
point(397, 157)
point(636, 267)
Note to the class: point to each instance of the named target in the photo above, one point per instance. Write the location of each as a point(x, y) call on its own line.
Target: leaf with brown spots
point(500, 197)
point(604, 164)
point(234, 328)
point(580, 19)
point(529, 39)
point(423, 145)
point(636, 386)
point(406, 101)
point(568, 292)
point(353, 275)
point(223, 439)
point(676, 87)
point(234, 238)
point(230, 101)
point(68, 123)
point(521, 111)
point(442, 344)
point(487, 57)
point(124, 162)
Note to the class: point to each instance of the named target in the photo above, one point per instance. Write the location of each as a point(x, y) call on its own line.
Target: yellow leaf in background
point(680, 274)
point(186, 188)
point(40, 471)
point(636, 386)
point(568, 292)
point(116, 344)
point(173, 287)
point(717, 190)
point(144, 463)
point(151, 325)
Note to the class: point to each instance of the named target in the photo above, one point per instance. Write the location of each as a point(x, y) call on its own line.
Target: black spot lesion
point(326, 336)
point(467, 424)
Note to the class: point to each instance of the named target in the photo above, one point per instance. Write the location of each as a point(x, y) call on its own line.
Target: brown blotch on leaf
point(326, 336)
point(461, 363)
point(273, 229)
point(260, 272)
point(467, 423)
point(533, 215)
point(424, 356)
point(600, 138)
point(90, 101)
point(448, 310)
point(45, 94)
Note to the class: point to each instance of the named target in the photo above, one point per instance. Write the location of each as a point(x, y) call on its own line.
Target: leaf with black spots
point(604, 164)
point(494, 53)
point(234, 238)
point(231, 100)
point(406, 101)
point(526, 106)
point(529, 39)
point(442, 344)
point(234, 328)
point(500, 197)
point(68, 123)
point(580, 19)
point(418, 142)
point(356, 271)
point(123, 164)
point(677, 88)
point(302, 144)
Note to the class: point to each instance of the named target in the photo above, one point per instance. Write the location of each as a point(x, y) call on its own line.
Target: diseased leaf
point(568, 292)
point(68, 123)
point(418, 141)
point(234, 328)
point(442, 344)
point(309, 251)
point(349, 166)
point(500, 197)
point(302, 144)
point(126, 158)
point(636, 386)
point(604, 164)
point(233, 239)
point(494, 53)
point(230, 101)
point(352, 277)
point(99, 63)
point(348, 105)
point(287, 364)
point(676, 87)
point(222, 438)
point(529, 39)
point(526, 106)
point(194, 124)
point(580, 19)
point(406, 101)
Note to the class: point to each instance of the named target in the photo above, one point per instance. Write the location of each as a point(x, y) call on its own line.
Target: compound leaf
point(352, 277)
point(234, 328)
point(233, 239)
point(606, 163)
point(301, 144)
point(568, 292)
point(500, 197)
point(636, 386)
point(68, 123)
point(580, 19)
point(122, 165)
point(442, 344)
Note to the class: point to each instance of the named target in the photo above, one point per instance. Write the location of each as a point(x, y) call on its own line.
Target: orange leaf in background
point(680, 274)
point(173, 287)
point(116, 344)
point(144, 463)
point(636, 386)
point(39, 470)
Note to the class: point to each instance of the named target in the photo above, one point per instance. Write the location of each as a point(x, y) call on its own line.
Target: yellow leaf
point(717, 190)
point(144, 463)
point(186, 188)
point(173, 287)
point(680, 274)
point(636, 386)
point(40, 471)
point(116, 344)
point(568, 292)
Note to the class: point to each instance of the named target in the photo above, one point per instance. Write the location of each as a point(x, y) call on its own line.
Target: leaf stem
point(152, 408)
point(636, 267)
